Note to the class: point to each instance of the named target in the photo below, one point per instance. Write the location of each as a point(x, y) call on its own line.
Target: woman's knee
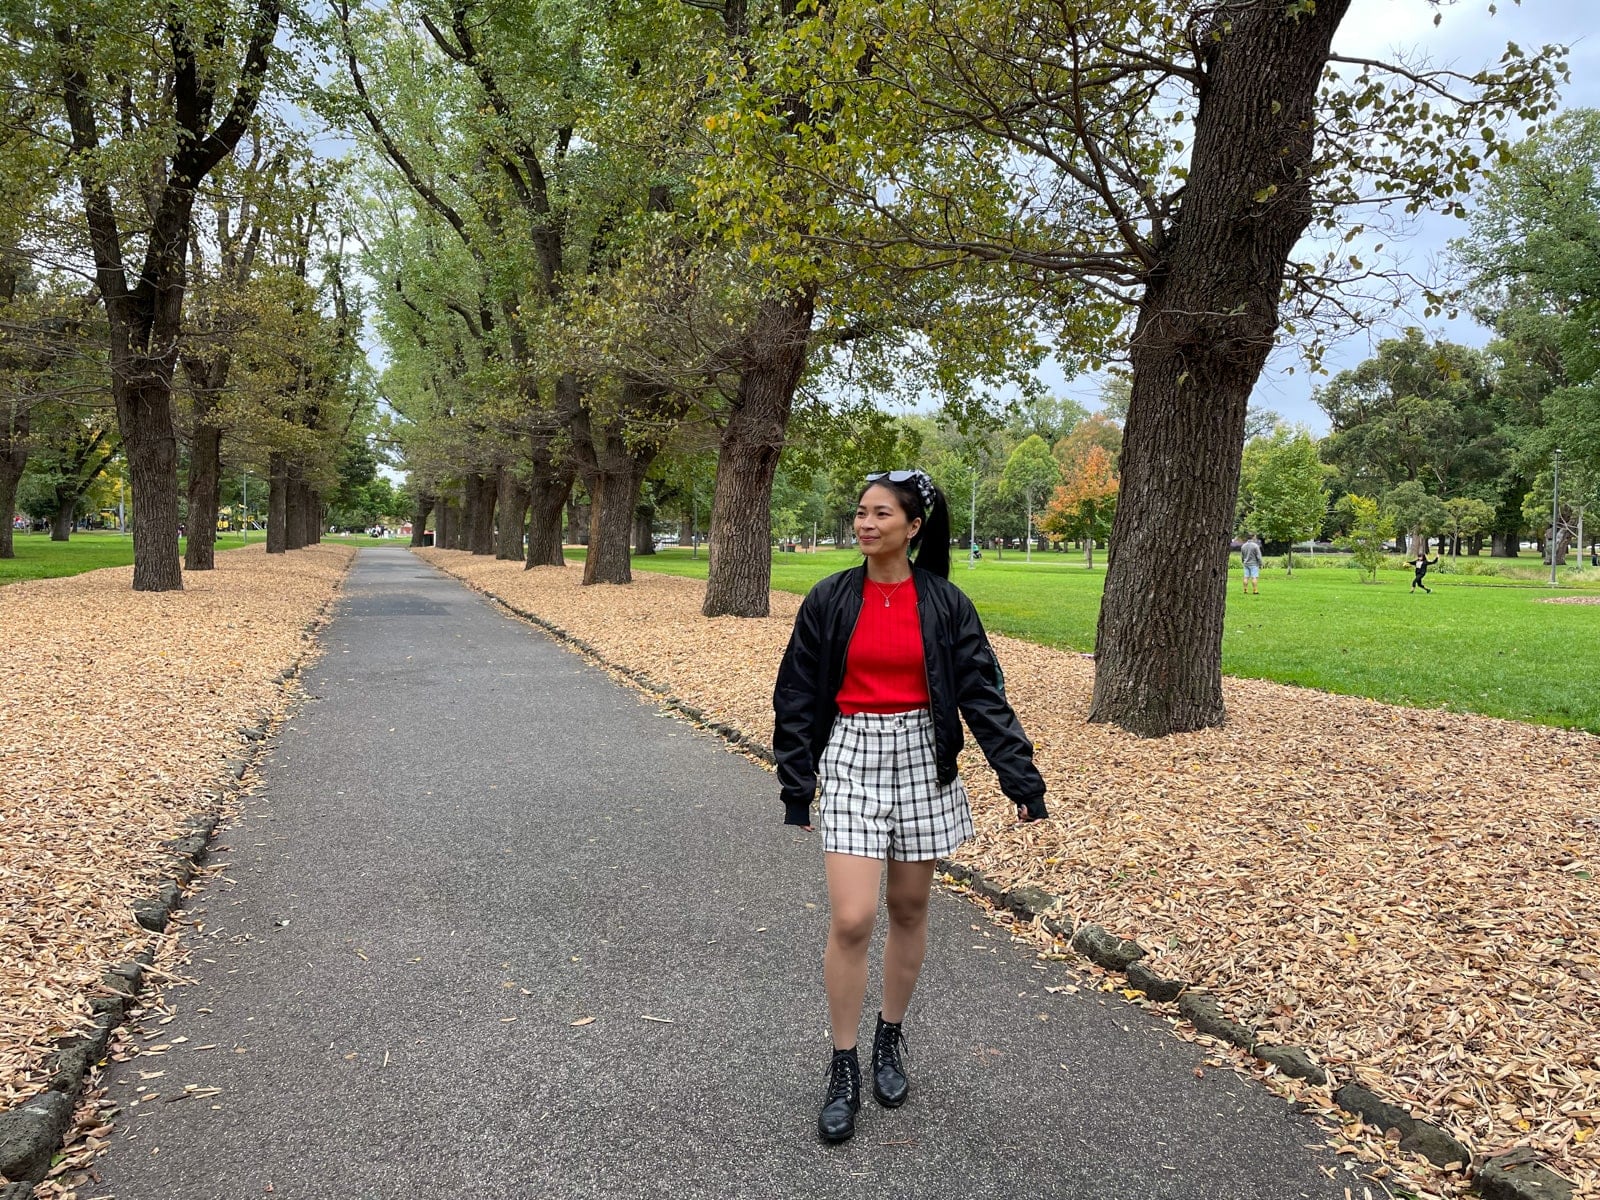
point(851, 927)
point(908, 910)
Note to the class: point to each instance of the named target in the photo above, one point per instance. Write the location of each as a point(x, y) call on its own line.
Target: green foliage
point(1413, 510)
point(1466, 516)
point(1369, 526)
point(1030, 470)
point(1282, 495)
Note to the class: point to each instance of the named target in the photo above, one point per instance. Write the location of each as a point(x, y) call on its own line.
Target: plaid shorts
point(879, 793)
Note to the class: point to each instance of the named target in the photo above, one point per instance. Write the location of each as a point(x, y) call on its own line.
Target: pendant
point(886, 602)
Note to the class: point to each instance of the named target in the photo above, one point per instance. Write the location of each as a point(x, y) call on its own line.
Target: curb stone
point(1515, 1176)
point(1520, 1175)
point(33, 1132)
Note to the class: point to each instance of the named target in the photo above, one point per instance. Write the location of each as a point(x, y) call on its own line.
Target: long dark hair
point(932, 542)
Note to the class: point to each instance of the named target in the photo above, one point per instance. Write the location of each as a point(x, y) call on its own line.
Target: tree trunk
point(294, 508)
point(512, 506)
point(8, 508)
point(615, 489)
point(578, 523)
point(480, 513)
point(739, 574)
point(444, 524)
point(18, 417)
point(1503, 544)
point(141, 384)
point(1206, 322)
point(613, 472)
point(644, 530)
point(277, 503)
point(313, 516)
point(61, 520)
point(547, 503)
point(419, 517)
point(1088, 554)
point(206, 379)
point(1475, 545)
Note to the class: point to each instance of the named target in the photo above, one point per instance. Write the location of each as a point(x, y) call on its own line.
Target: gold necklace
point(891, 591)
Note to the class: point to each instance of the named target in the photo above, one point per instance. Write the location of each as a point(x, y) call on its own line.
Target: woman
point(884, 661)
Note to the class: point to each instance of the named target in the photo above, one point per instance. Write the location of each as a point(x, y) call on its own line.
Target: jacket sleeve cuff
point(1034, 806)
point(797, 812)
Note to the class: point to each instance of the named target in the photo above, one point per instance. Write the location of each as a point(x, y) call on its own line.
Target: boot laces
point(888, 1048)
point(844, 1077)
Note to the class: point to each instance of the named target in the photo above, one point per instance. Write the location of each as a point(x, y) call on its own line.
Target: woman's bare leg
point(852, 910)
point(909, 885)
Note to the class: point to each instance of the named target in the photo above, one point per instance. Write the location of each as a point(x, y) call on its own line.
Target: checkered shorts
point(879, 793)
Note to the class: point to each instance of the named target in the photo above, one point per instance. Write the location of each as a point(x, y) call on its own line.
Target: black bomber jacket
point(964, 680)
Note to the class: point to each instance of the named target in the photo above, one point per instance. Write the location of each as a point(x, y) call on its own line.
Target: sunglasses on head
point(891, 476)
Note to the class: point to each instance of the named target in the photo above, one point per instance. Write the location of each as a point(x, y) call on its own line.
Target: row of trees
point(173, 276)
point(611, 236)
point(603, 233)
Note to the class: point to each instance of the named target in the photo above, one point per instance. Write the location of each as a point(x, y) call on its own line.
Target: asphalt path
point(497, 927)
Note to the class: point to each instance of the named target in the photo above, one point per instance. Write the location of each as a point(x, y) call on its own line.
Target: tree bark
point(577, 523)
point(1206, 322)
point(206, 379)
point(1504, 544)
point(547, 503)
point(61, 520)
point(419, 517)
point(613, 472)
point(277, 502)
point(294, 508)
point(512, 506)
point(644, 530)
point(142, 387)
point(18, 417)
point(444, 524)
point(739, 574)
point(313, 517)
point(480, 513)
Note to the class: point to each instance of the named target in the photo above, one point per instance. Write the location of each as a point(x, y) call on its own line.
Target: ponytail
point(921, 500)
point(932, 542)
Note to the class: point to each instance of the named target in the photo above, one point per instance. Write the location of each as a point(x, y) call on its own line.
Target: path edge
point(34, 1132)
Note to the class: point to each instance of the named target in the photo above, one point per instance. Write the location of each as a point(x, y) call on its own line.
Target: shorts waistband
point(899, 720)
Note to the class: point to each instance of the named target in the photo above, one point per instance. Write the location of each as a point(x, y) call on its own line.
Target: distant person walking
point(885, 661)
point(1421, 563)
point(1250, 560)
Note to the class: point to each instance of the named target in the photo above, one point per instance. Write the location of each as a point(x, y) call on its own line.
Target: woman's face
point(881, 524)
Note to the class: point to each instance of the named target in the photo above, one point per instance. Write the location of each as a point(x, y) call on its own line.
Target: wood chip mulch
point(1410, 894)
point(118, 713)
point(1572, 600)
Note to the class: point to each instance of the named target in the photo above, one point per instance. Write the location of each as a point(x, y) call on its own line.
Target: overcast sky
point(1467, 38)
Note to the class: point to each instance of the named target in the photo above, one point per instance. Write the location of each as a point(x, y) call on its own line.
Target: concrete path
point(497, 928)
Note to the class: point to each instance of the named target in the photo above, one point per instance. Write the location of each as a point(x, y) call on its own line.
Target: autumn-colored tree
point(1083, 505)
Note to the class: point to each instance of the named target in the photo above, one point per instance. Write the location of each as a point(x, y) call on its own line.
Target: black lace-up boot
point(889, 1082)
point(838, 1120)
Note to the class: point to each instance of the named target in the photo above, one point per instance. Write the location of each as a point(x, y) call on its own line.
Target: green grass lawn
point(1478, 643)
point(37, 557)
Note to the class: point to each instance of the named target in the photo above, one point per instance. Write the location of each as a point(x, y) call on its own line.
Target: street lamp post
point(1555, 516)
point(972, 525)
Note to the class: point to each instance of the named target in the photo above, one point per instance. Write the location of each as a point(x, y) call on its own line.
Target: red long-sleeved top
point(884, 668)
